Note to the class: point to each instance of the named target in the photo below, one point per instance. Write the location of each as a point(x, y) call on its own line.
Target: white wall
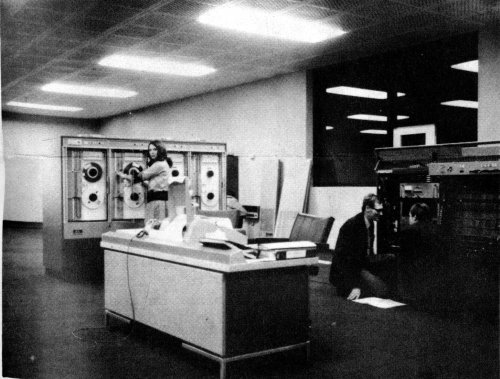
point(268, 118)
point(265, 118)
point(28, 143)
point(489, 85)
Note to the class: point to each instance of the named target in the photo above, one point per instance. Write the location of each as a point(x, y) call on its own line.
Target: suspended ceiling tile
point(16, 28)
point(87, 23)
point(121, 42)
point(183, 9)
point(275, 5)
point(110, 12)
point(423, 3)
point(348, 22)
point(65, 6)
point(382, 10)
point(137, 4)
point(43, 17)
point(311, 12)
point(159, 20)
point(339, 5)
point(92, 74)
point(463, 9)
point(137, 31)
point(72, 34)
point(180, 38)
point(88, 54)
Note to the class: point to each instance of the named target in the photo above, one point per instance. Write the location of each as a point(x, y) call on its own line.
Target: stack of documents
point(288, 250)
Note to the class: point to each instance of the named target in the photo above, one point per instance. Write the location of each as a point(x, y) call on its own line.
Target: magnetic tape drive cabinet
point(84, 198)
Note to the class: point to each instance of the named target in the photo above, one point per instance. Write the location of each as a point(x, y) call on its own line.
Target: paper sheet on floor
point(379, 302)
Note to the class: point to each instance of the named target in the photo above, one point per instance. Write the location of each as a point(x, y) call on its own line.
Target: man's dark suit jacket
point(350, 255)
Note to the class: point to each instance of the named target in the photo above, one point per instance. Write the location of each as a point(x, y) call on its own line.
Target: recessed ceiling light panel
point(269, 24)
point(462, 103)
point(48, 107)
point(156, 65)
point(472, 66)
point(85, 90)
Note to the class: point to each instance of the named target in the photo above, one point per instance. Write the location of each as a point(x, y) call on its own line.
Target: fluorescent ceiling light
point(373, 117)
point(472, 66)
point(360, 92)
point(461, 103)
point(373, 131)
point(84, 90)
point(156, 65)
point(270, 24)
point(44, 106)
point(328, 127)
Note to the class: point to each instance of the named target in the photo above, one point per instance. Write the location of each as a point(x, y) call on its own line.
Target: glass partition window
point(427, 93)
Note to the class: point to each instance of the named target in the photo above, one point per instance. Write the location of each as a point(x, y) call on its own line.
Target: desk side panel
point(266, 309)
point(183, 301)
point(116, 289)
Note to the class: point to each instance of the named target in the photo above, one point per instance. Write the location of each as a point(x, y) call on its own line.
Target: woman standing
point(155, 177)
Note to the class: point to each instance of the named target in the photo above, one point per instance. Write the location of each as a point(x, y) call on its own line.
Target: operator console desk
point(219, 303)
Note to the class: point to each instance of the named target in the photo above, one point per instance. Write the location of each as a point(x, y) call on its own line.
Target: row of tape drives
point(90, 181)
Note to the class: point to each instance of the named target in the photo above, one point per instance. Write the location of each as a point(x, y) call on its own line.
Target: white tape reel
point(209, 177)
point(133, 196)
point(177, 170)
point(92, 196)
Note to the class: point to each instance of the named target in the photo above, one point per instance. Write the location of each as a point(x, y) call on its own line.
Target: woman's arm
point(124, 176)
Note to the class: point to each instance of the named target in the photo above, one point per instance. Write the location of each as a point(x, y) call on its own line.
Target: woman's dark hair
point(161, 154)
point(421, 212)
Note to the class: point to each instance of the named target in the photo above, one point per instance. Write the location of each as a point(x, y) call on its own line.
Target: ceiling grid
point(63, 40)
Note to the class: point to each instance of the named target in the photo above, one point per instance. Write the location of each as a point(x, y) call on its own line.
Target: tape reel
point(209, 198)
point(92, 172)
point(92, 197)
point(133, 169)
point(133, 196)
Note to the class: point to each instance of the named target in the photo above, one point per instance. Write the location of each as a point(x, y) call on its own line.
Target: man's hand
point(355, 294)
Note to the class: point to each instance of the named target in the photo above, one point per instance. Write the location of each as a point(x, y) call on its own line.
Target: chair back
point(311, 228)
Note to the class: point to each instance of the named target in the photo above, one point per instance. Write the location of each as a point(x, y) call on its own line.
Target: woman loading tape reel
point(156, 179)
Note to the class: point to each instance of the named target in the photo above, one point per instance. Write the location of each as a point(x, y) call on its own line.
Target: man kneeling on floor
point(357, 270)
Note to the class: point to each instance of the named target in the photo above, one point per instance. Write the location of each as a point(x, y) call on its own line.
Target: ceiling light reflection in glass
point(156, 65)
point(62, 108)
point(269, 24)
point(360, 92)
point(373, 131)
point(471, 66)
point(461, 103)
point(85, 90)
point(373, 117)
